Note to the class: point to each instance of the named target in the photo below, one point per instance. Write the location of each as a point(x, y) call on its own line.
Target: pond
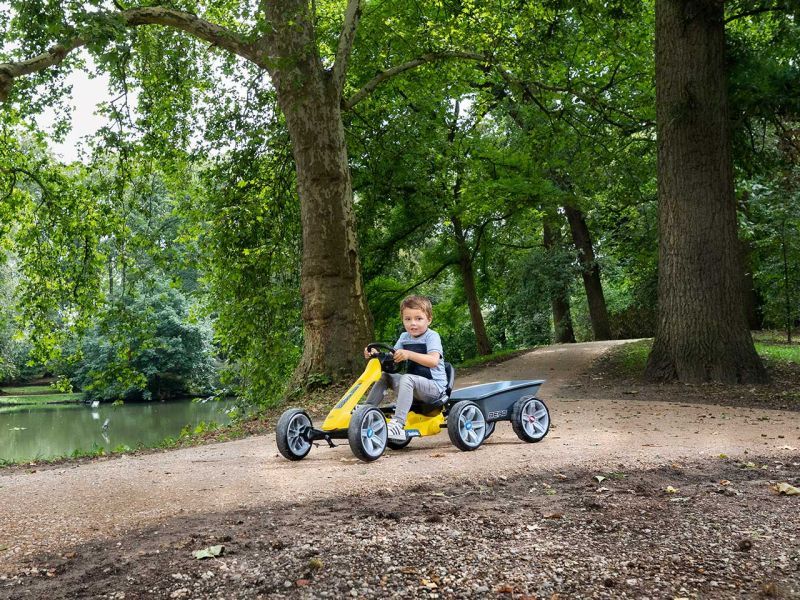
point(41, 432)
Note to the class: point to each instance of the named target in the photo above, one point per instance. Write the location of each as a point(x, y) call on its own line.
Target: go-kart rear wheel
point(489, 430)
point(466, 425)
point(530, 419)
point(367, 433)
point(289, 434)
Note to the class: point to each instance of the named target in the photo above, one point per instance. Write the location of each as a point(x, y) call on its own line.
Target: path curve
point(54, 508)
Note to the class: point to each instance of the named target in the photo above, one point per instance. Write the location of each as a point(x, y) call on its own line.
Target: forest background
point(275, 177)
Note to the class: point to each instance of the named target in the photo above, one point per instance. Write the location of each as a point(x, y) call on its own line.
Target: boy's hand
point(370, 354)
point(401, 355)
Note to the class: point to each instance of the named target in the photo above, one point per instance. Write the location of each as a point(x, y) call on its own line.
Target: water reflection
point(30, 432)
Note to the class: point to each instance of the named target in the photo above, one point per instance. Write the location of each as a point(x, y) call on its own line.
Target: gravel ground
point(628, 497)
point(711, 529)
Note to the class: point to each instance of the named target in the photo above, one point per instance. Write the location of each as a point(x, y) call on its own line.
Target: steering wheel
point(385, 356)
point(380, 346)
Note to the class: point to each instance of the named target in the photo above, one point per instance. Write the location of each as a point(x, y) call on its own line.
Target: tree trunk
point(467, 269)
point(336, 320)
point(559, 294)
point(590, 271)
point(702, 333)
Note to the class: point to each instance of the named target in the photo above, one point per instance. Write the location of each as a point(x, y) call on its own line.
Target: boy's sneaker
point(396, 431)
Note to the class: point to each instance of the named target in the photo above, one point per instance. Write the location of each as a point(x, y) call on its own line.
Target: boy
point(426, 379)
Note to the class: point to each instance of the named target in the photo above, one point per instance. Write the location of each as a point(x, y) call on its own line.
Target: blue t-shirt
point(425, 343)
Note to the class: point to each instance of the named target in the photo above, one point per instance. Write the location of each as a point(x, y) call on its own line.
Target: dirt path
point(45, 510)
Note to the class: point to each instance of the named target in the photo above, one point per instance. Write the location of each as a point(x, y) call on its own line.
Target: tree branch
point(755, 11)
point(351, 17)
point(402, 68)
point(430, 277)
point(135, 17)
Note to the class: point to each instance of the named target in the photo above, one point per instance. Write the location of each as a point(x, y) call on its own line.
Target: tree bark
point(563, 332)
point(590, 271)
point(467, 268)
point(336, 320)
point(701, 333)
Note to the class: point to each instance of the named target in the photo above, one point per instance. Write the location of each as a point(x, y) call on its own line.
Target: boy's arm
point(430, 360)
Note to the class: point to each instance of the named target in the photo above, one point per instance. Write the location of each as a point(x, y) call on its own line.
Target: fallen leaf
point(561, 476)
point(436, 455)
point(555, 515)
point(599, 478)
point(723, 456)
point(724, 482)
point(600, 490)
point(315, 563)
point(671, 490)
point(210, 552)
point(408, 570)
point(302, 582)
point(505, 589)
point(788, 490)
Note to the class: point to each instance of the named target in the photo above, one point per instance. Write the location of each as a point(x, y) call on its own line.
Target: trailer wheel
point(289, 434)
point(466, 425)
point(530, 419)
point(367, 433)
point(489, 430)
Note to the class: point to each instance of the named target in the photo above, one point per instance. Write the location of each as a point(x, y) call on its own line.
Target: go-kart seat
point(427, 407)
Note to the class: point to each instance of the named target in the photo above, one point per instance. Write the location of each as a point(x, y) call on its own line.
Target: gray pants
point(407, 388)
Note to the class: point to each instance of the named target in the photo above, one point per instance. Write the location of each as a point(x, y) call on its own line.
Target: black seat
point(426, 408)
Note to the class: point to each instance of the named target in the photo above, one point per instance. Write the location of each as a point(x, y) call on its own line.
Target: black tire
point(466, 425)
point(288, 436)
point(489, 430)
point(398, 445)
point(367, 433)
point(530, 419)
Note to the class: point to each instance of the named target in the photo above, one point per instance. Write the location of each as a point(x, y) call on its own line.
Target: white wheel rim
point(373, 433)
point(294, 434)
point(471, 426)
point(535, 418)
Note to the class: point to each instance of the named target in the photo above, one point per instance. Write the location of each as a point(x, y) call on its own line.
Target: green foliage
point(146, 348)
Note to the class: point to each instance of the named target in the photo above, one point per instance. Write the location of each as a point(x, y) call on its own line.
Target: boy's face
point(415, 321)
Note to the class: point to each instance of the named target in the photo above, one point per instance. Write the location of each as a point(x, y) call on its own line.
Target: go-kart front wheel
point(367, 433)
point(290, 434)
point(530, 419)
point(466, 425)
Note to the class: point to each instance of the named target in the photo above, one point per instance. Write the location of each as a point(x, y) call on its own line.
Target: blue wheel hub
point(468, 425)
point(369, 432)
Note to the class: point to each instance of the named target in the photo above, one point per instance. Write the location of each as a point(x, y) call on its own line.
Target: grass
point(629, 360)
point(39, 399)
point(779, 352)
point(491, 358)
point(27, 390)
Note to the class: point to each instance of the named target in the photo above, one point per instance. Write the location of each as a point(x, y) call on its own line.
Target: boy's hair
point(419, 303)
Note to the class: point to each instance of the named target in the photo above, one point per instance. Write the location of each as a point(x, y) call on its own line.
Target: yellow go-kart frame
point(468, 414)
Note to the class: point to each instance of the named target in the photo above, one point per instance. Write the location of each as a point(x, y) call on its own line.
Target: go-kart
point(469, 415)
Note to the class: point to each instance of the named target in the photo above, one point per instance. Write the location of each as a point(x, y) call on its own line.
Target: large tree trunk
point(701, 334)
point(336, 320)
point(591, 274)
point(467, 269)
point(559, 294)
